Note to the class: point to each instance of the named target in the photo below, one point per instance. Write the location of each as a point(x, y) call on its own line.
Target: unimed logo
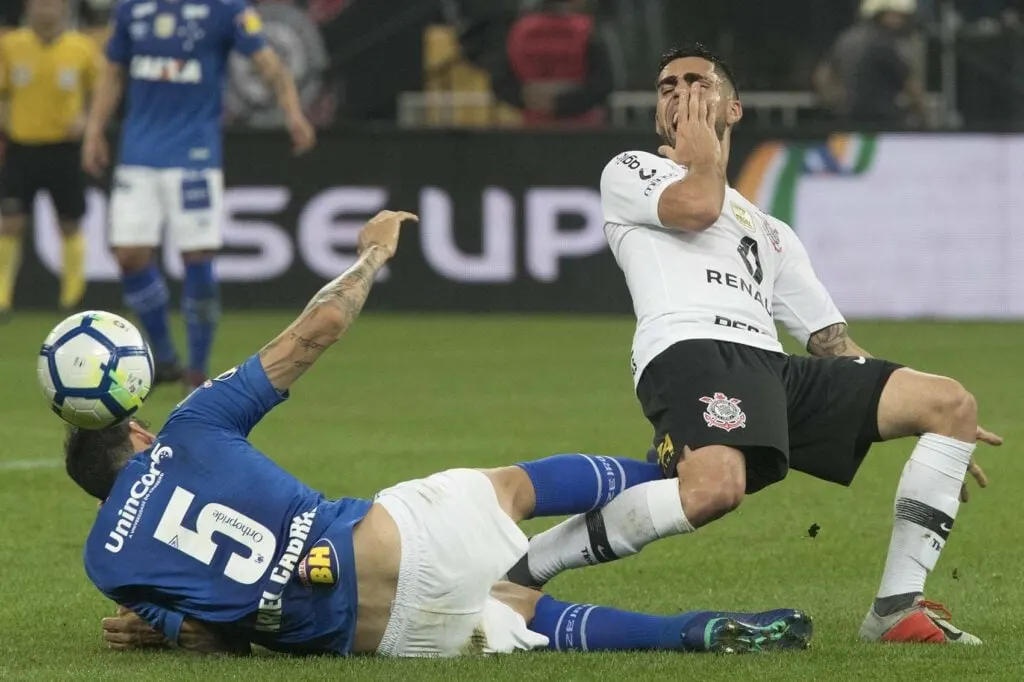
point(553, 224)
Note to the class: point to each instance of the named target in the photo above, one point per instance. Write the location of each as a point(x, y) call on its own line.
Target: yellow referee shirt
point(45, 84)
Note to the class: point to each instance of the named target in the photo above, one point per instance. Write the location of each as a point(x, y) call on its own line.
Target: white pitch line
point(29, 464)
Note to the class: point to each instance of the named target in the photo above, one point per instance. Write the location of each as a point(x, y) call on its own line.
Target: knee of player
point(69, 226)
point(732, 488)
point(515, 491)
point(710, 488)
point(132, 260)
point(197, 257)
point(522, 600)
point(954, 409)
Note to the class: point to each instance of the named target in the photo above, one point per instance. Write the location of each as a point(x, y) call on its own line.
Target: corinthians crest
point(724, 412)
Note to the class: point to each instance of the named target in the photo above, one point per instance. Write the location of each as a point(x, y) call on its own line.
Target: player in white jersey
point(709, 275)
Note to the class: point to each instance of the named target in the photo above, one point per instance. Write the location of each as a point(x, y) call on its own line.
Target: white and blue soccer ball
point(95, 369)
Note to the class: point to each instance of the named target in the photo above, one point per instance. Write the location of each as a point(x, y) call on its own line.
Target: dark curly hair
point(703, 52)
point(94, 458)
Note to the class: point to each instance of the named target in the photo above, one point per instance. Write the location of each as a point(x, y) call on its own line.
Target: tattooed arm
point(335, 307)
point(834, 340)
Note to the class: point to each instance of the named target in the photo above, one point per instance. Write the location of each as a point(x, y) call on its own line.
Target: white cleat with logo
point(925, 622)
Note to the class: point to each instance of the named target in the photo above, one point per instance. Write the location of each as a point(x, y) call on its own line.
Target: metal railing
point(415, 108)
point(627, 106)
point(442, 108)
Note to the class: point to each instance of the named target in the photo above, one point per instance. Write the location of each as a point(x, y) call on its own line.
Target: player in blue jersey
point(205, 542)
point(171, 58)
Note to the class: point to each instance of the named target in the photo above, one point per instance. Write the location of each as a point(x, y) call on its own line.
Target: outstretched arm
point(335, 307)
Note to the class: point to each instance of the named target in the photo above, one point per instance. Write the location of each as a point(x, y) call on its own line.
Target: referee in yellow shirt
point(46, 72)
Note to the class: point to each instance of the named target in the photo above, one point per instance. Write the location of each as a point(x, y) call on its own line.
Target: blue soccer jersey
point(175, 56)
point(204, 525)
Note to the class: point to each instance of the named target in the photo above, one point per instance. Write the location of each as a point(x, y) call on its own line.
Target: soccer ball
point(95, 369)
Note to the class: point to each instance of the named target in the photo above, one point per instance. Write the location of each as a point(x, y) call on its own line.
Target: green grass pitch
point(401, 397)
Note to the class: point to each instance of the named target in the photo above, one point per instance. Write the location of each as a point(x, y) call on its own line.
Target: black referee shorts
point(56, 168)
point(815, 415)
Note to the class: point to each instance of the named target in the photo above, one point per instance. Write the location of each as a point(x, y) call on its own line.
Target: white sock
point(927, 500)
point(634, 519)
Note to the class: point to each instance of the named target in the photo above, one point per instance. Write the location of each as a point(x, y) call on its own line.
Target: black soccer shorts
point(815, 415)
point(56, 168)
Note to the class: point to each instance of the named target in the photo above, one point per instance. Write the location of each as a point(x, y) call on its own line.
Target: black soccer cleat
point(735, 633)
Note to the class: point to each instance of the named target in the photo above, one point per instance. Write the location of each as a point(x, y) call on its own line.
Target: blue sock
point(201, 306)
point(146, 293)
point(584, 627)
point(576, 484)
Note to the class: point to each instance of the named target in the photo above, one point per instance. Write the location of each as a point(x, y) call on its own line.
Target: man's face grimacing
point(689, 75)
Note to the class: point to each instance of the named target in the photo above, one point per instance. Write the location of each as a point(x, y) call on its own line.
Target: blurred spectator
point(990, 73)
point(10, 13)
point(94, 20)
point(558, 68)
point(868, 69)
point(979, 10)
point(637, 34)
point(87, 16)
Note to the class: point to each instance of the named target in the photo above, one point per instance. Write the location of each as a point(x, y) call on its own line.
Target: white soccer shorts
point(189, 203)
point(457, 542)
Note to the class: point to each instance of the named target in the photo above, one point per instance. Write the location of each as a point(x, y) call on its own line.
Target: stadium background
point(511, 219)
point(915, 228)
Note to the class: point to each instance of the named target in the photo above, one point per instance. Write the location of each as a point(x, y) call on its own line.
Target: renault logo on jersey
point(320, 565)
point(166, 69)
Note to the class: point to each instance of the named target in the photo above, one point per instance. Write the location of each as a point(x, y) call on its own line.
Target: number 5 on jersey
point(217, 518)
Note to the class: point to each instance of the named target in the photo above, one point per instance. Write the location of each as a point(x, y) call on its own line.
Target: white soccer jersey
point(729, 282)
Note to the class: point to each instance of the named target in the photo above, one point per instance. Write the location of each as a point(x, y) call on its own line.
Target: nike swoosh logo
point(860, 361)
point(951, 633)
point(944, 527)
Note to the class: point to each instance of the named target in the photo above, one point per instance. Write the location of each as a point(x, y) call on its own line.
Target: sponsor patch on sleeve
point(251, 22)
point(320, 565)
